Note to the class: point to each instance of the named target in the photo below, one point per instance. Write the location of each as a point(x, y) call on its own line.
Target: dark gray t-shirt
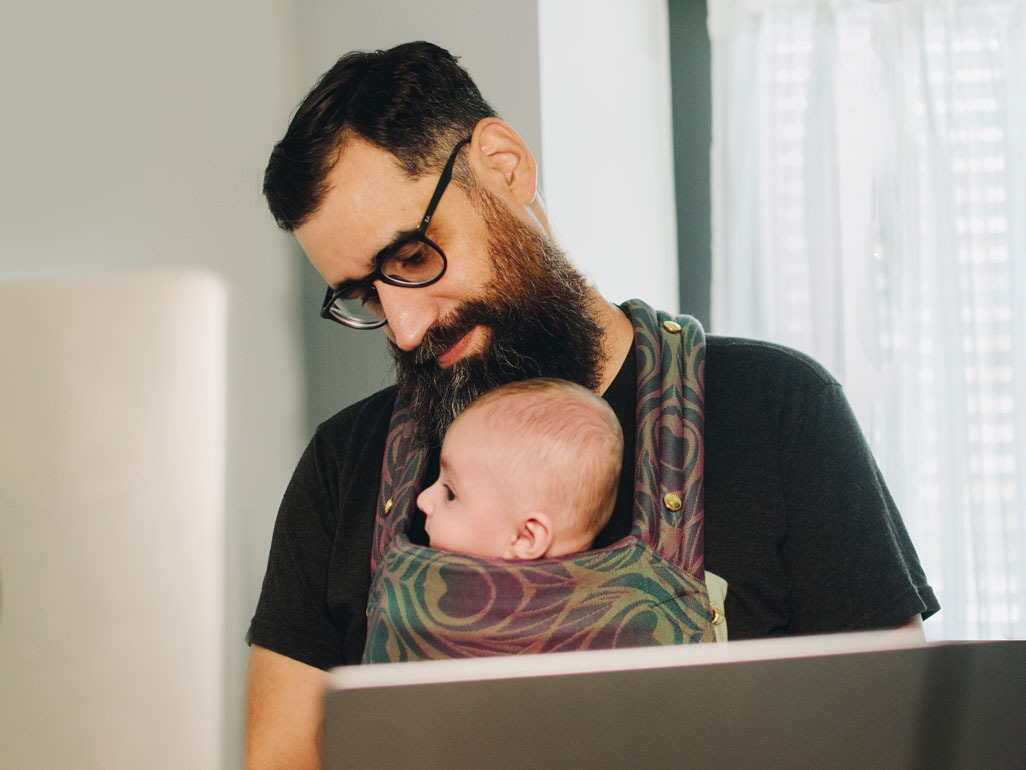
point(798, 519)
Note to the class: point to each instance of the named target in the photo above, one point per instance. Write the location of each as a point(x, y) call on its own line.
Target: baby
point(528, 470)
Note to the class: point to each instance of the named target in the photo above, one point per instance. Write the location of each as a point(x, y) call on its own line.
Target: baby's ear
point(533, 537)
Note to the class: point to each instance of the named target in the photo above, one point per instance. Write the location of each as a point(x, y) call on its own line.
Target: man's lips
point(456, 351)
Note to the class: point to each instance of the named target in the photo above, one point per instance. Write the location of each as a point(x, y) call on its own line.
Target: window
point(869, 207)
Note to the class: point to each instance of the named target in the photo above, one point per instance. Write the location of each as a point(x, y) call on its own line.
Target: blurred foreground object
point(112, 453)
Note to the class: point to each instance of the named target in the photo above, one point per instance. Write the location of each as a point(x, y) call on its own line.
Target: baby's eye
point(449, 495)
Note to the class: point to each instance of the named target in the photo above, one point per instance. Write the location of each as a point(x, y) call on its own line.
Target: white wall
point(606, 131)
point(134, 134)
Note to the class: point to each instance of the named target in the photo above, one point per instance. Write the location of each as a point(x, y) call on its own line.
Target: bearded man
point(420, 209)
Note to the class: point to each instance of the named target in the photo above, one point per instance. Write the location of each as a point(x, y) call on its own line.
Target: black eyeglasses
point(412, 261)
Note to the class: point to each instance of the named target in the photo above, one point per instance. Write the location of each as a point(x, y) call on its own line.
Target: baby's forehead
point(470, 442)
point(556, 417)
point(477, 435)
point(468, 427)
point(493, 424)
point(527, 401)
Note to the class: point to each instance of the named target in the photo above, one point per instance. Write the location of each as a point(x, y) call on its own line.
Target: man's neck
point(617, 338)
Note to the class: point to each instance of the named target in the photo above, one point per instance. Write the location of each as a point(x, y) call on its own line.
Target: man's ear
point(533, 537)
point(502, 161)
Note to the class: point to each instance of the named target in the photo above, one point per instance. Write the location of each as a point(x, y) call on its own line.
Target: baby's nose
point(424, 501)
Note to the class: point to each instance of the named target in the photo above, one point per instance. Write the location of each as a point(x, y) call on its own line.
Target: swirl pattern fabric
point(445, 605)
point(646, 589)
point(670, 428)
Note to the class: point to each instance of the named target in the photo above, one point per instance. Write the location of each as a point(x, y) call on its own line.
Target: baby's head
point(530, 469)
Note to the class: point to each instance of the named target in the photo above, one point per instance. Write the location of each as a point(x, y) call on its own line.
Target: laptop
point(867, 700)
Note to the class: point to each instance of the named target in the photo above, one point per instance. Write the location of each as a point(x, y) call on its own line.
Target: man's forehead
point(369, 199)
point(364, 166)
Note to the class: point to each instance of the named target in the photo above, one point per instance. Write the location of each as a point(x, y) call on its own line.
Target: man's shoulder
point(740, 360)
point(364, 417)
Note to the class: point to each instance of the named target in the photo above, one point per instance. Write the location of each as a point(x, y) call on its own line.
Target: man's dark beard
point(537, 311)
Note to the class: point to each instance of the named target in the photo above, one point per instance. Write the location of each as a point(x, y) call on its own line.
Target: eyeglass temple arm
point(443, 182)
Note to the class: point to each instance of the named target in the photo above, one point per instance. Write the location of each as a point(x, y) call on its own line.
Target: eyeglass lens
point(414, 262)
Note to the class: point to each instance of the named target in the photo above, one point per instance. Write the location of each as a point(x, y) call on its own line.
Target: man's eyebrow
point(375, 262)
point(400, 237)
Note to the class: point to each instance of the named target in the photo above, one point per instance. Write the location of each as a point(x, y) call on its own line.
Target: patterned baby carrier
point(646, 589)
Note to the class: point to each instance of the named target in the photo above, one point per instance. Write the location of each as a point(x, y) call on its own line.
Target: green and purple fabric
point(647, 589)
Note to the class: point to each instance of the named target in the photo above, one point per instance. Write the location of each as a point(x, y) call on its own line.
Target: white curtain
point(869, 207)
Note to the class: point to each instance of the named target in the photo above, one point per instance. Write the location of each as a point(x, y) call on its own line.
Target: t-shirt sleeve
point(847, 556)
point(313, 601)
point(292, 617)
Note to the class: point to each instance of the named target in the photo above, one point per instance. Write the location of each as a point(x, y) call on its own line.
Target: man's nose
point(410, 313)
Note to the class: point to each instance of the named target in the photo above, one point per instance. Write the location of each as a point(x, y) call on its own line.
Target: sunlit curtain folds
point(869, 208)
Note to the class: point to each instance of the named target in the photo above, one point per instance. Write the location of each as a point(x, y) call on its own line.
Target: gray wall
point(133, 136)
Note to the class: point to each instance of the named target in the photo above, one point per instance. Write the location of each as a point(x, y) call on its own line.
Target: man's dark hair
point(413, 100)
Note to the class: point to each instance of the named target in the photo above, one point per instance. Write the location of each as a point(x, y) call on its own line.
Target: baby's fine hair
point(567, 438)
